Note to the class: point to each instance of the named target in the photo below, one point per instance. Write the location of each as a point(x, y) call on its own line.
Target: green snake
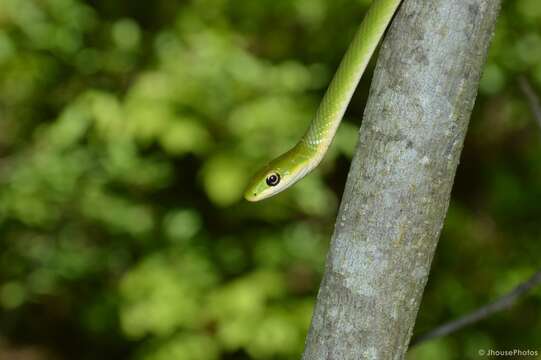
point(287, 169)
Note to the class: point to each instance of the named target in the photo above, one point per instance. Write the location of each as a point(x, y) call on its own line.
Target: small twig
point(531, 96)
point(502, 303)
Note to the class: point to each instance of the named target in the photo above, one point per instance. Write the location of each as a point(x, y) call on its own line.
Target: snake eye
point(273, 179)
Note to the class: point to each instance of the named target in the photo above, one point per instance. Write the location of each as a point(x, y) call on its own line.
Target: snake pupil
point(273, 179)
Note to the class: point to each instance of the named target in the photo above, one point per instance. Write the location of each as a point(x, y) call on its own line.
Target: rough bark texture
point(398, 188)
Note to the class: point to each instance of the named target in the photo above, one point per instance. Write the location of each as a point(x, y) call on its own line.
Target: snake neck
point(310, 153)
point(320, 134)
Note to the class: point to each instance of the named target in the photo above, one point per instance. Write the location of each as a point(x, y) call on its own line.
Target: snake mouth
point(255, 194)
point(251, 196)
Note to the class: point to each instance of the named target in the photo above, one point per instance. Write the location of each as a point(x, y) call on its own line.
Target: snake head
point(276, 176)
point(268, 181)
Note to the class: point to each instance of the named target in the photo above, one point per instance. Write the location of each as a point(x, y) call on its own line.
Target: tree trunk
point(398, 188)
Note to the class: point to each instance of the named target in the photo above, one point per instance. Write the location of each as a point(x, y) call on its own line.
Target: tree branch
point(500, 304)
point(531, 96)
point(398, 187)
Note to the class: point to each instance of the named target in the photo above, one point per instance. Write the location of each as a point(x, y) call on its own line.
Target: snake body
point(287, 169)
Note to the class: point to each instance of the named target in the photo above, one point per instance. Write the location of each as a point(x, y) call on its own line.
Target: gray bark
point(398, 187)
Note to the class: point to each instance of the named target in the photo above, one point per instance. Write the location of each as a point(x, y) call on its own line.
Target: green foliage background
point(128, 130)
